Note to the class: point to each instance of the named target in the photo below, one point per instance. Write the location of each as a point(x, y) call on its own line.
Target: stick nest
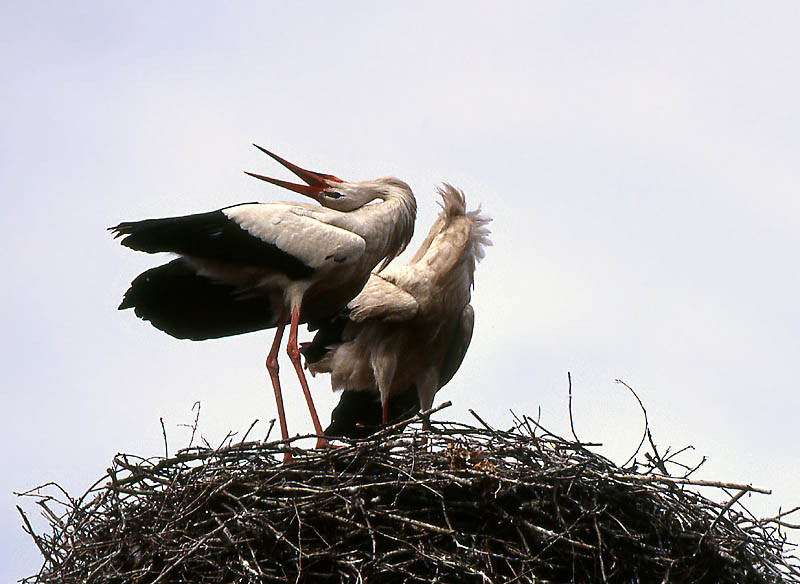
point(453, 503)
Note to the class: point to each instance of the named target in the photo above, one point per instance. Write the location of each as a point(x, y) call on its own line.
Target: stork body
point(261, 265)
point(405, 335)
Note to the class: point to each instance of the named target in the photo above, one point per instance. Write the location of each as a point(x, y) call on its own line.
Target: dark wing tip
point(358, 413)
point(121, 229)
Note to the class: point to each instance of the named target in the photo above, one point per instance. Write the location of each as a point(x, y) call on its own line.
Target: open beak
point(316, 182)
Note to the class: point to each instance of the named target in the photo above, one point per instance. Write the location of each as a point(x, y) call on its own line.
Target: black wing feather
point(329, 333)
point(210, 236)
point(358, 413)
point(176, 300)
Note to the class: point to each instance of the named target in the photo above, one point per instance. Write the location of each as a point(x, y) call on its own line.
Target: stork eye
point(333, 195)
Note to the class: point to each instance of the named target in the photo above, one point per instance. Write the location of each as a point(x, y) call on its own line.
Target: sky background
point(640, 161)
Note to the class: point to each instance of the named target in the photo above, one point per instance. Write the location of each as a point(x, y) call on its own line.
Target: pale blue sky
point(640, 161)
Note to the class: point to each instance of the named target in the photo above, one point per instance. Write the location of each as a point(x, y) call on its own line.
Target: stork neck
point(387, 226)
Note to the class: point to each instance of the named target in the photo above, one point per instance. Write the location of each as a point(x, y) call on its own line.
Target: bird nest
point(449, 503)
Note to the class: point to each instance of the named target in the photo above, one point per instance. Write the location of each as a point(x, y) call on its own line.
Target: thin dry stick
point(164, 433)
point(646, 425)
point(246, 434)
point(569, 407)
point(32, 533)
point(779, 519)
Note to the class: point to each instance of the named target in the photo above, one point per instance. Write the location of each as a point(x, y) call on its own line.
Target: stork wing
point(186, 305)
point(358, 413)
point(459, 342)
point(382, 299)
point(266, 234)
point(299, 231)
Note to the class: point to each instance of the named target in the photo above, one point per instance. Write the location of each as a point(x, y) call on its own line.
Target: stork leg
point(427, 384)
point(294, 356)
point(384, 369)
point(272, 368)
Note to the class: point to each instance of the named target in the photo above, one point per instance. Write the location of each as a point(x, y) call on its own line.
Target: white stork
point(259, 265)
point(405, 335)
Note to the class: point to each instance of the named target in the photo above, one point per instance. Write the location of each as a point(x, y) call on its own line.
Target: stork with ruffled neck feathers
point(405, 335)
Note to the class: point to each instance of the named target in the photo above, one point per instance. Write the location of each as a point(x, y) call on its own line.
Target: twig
point(35, 537)
point(164, 433)
point(269, 430)
point(569, 407)
point(780, 516)
point(646, 427)
point(600, 550)
point(721, 513)
point(246, 434)
point(696, 483)
point(196, 420)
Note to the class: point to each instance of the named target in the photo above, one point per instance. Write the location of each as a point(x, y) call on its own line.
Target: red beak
point(316, 181)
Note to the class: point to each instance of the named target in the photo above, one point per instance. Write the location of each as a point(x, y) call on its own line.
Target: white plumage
point(292, 228)
point(260, 265)
point(409, 328)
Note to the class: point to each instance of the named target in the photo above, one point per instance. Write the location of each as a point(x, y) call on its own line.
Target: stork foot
point(426, 424)
point(323, 443)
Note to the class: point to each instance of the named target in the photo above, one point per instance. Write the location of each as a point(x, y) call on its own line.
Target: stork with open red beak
point(260, 265)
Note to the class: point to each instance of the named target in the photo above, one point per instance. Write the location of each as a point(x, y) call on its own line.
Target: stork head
point(331, 191)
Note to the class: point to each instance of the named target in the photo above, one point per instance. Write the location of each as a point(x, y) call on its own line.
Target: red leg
point(272, 368)
point(384, 412)
point(294, 356)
